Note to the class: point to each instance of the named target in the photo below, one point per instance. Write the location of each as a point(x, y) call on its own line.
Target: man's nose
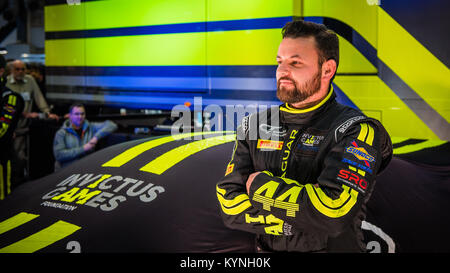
point(282, 70)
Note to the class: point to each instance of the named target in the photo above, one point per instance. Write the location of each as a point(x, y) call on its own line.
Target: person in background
point(18, 81)
point(78, 137)
point(26, 85)
point(12, 105)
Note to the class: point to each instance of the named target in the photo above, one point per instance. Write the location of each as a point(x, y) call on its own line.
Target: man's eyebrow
point(293, 56)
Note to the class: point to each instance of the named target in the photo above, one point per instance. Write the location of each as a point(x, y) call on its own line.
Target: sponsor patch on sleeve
point(360, 153)
point(269, 145)
point(353, 180)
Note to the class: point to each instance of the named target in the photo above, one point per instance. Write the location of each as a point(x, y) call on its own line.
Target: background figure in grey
point(77, 137)
point(19, 82)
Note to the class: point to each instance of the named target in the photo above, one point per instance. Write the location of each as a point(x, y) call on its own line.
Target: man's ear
point(328, 69)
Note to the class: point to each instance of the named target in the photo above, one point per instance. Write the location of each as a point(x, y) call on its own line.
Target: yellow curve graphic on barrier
point(38, 240)
point(174, 156)
point(169, 159)
point(133, 152)
point(16, 221)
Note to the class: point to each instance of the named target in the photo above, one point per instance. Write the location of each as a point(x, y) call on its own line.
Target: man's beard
point(299, 94)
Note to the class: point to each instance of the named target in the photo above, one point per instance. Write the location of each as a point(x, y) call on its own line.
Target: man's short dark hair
point(76, 104)
point(327, 41)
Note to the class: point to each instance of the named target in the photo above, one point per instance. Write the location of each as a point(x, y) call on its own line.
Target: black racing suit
point(12, 105)
point(315, 179)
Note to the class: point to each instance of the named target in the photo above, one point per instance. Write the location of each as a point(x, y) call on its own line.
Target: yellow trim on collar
point(289, 109)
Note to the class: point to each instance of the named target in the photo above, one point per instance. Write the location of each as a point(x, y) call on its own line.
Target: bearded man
point(303, 185)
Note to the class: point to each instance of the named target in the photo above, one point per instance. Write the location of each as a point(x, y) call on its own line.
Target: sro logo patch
point(353, 180)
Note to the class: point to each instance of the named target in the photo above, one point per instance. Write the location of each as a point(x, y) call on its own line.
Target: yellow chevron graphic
point(133, 152)
point(169, 159)
point(16, 221)
point(172, 157)
point(38, 240)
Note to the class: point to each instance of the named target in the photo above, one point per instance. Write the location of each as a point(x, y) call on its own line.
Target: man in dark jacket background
point(301, 173)
point(77, 137)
